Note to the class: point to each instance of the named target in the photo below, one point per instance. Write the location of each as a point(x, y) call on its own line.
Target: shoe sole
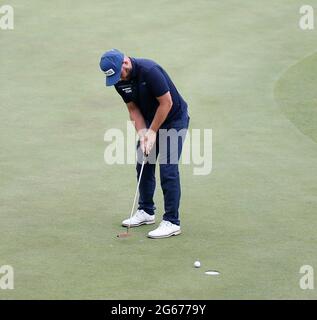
point(176, 233)
point(137, 225)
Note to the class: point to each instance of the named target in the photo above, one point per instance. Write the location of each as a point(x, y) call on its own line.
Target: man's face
point(125, 70)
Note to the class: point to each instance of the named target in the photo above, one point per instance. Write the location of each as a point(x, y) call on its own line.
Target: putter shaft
point(136, 193)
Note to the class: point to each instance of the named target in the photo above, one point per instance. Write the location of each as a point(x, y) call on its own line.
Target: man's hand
point(148, 141)
point(141, 134)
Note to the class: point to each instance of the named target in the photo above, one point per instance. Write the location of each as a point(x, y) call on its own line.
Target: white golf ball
point(197, 264)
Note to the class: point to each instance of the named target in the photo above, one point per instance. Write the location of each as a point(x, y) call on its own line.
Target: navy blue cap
point(111, 64)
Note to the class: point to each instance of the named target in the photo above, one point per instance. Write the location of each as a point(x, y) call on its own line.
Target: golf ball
point(197, 264)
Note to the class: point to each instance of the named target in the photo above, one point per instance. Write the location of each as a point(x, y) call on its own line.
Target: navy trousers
point(169, 153)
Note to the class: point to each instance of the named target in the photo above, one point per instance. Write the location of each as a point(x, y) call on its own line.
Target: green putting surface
point(246, 70)
point(297, 95)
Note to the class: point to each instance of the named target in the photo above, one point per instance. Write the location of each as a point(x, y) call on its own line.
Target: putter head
point(124, 235)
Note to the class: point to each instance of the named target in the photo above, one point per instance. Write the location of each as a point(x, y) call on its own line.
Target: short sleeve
point(156, 82)
point(124, 92)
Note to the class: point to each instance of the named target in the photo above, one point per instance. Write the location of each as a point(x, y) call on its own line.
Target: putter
point(127, 234)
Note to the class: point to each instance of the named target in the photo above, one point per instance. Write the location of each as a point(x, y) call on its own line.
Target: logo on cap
point(109, 72)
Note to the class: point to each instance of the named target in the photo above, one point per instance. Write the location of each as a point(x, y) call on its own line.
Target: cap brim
point(112, 80)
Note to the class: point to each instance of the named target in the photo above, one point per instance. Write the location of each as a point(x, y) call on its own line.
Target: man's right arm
point(136, 116)
point(139, 123)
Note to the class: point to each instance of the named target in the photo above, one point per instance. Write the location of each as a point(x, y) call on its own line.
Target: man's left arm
point(158, 85)
point(165, 105)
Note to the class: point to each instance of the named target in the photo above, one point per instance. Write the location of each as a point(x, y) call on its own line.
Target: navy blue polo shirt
point(148, 81)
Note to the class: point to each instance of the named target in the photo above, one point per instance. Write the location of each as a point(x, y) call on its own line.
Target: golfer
point(159, 113)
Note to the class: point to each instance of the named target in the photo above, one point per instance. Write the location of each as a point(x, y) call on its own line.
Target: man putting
point(155, 107)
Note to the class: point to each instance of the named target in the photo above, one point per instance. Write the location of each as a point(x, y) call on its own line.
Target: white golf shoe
point(139, 218)
point(165, 229)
